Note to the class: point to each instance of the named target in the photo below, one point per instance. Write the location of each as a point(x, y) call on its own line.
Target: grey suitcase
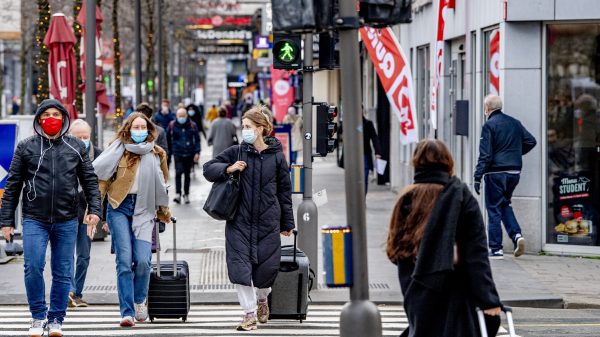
point(290, 292)
point(509, 319)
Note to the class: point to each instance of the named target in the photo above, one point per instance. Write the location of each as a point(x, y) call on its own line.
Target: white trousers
point(249, 295)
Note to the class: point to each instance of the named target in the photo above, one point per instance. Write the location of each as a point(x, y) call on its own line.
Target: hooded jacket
point(252, 240)
point(49, 171)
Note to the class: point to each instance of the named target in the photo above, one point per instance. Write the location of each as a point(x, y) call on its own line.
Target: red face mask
point(51, 126)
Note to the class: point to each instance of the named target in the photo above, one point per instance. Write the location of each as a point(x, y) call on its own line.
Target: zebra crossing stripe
point(203, 320)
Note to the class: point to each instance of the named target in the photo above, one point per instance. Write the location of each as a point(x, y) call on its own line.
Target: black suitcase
point(169, 292)
point(290, 292)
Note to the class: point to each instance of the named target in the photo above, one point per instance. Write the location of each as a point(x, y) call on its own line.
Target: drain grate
point(372, 286)
point(214, 268)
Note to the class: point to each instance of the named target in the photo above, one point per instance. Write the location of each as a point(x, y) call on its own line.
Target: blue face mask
point(249, 136)
point(139, 136)
point(191, 112)
point(181, 120)
point(87, 143)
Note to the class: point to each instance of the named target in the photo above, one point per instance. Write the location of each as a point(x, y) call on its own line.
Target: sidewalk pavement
point(534, 281)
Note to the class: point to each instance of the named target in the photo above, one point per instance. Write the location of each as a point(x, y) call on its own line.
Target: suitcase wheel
point(151, 319)
point(184, 319)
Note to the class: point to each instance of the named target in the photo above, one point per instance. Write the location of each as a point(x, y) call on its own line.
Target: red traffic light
point(333, 112)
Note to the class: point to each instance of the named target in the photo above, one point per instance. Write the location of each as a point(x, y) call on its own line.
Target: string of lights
point(44, 15)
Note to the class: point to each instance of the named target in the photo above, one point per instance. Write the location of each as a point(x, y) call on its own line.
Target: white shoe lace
point(38, 323)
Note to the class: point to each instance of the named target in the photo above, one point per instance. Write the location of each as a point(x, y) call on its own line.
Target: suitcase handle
point(174, 221)
point(295, 244)
point(509, 318)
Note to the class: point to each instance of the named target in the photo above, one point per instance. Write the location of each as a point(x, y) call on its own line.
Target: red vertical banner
point(282, 93)
point(438, 56)
point(495, 62)
point(393, 69)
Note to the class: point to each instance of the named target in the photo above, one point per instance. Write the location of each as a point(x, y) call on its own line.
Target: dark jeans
point(62, 237)
point(183, 166)
point(82, 254)
point(499, 188)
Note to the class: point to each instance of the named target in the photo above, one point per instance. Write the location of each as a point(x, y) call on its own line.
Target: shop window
point(573, 133)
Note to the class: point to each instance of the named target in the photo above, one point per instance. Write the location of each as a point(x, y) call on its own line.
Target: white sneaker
point(55, 329)
point(519, 246)
point(141, 312)
point(127, 322)
point(38, 326)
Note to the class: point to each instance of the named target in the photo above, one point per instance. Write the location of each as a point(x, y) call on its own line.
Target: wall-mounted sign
point(224, 34)
point(218, 21)
point(222, 49)
point(262, 42)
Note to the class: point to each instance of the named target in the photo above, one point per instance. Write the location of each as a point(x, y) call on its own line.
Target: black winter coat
point(183, 139)
point(440, 295)
point(50, 192)
point(252, 238)
point(504, 140)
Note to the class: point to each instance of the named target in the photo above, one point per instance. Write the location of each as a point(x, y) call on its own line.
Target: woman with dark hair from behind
point(437, 239)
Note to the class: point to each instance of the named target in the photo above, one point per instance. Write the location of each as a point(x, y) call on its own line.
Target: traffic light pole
point(90, 69)
point(359, 317)
point(308, 233)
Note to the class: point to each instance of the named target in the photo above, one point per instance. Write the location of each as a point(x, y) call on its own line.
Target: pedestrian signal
point(286, 51)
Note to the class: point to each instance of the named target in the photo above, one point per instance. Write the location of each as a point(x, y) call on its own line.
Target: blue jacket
point(163, 120)
point(504, 140)
point(184, 139)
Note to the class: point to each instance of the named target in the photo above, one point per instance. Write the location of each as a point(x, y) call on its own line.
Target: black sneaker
point(496, 254)
point(177, 199)
point(519, 245)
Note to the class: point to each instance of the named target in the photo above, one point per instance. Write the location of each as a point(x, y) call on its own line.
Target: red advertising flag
point(283, 93)
point(62, 68)
point(393, 70)
point(495, 62)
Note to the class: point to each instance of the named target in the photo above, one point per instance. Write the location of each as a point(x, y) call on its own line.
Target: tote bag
point(222, 201)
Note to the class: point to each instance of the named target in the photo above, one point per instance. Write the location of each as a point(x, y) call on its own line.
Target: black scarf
point(436, 251)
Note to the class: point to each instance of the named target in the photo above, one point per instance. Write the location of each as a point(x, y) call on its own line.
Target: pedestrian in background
point(504, 141)
point(81, 130)
point(161, 139)
point(196, 114)
point(164, 116)
point(252, 241)
point(51, 164)
point(437, 240)
point(184, 144)
point(292, 118)
point(212, 113)
point(132, 173)
point(223, 133)
point(370, 138)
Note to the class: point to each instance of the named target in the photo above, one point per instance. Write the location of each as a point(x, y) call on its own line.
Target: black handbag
point(222, 201)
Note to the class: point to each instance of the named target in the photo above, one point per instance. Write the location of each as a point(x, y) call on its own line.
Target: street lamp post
point(90, 68)
point(138, 51)
point(307, 210)
point(359, 317)
point(160, 51)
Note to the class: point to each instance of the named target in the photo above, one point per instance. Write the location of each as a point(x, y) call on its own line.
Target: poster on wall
point(283, 93)
point(574, 210)
point(284, 134)
point(495, 62)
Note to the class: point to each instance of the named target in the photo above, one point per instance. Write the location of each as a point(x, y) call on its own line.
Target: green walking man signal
point(286, 51)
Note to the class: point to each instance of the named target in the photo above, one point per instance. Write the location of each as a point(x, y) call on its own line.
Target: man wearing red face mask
point(48, 168)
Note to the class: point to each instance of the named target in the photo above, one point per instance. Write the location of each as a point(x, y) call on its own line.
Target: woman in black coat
point(437, 239)
point(252, 241)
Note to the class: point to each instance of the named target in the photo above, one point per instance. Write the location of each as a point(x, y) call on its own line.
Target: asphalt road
point(531, 322)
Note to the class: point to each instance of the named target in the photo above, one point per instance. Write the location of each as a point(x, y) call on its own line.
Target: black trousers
point(183, 166)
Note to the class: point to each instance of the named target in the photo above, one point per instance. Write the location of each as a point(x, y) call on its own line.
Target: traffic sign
point(286, 51)
point(8, 134)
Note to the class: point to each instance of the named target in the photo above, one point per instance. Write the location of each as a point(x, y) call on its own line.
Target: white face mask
point(249, 136)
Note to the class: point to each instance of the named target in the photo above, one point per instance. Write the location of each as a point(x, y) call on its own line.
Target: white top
point(134, 187)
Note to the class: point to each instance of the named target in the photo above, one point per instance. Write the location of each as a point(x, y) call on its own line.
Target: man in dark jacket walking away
point(184, 144)
point(81, 129)
point(504, 140)
point(48, 168)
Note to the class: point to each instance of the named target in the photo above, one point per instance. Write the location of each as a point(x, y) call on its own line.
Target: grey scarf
point(152, 190)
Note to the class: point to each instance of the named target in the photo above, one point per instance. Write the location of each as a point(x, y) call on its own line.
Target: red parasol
point(101, 97)
point(62, 68)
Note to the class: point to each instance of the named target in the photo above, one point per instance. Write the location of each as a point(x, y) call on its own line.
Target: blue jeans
point(499, 188)
point(133, 257)
point(62, 236)
point(82, 252)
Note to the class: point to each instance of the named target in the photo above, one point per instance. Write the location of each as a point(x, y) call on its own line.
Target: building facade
point(543, 58)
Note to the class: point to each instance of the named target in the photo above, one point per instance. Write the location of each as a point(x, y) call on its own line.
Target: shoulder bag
point(222, 201)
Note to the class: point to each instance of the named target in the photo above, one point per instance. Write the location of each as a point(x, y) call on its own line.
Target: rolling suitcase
point(169, 291)
point(289, 293)
point(509, 318)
